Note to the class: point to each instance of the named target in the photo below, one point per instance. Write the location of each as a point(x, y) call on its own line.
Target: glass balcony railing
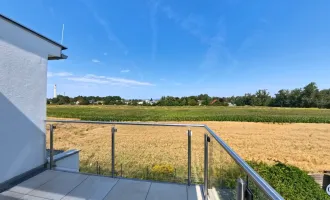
point(180, 153)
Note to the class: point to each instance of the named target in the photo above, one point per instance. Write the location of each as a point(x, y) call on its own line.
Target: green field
point(155, 113)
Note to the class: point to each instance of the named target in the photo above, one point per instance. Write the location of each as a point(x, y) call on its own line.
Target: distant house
point(99, 102)
point(231, 104)
point(140, 103)
point(200, 102)
point(92, 101)
point(214, 100)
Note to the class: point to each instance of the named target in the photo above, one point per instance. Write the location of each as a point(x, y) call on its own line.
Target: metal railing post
point(113, 131)
point(189, 156)
point(51, 145)
point(240, 189)
point(206, 164)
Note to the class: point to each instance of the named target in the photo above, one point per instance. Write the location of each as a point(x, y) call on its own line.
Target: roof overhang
point(33, 32)
point(57, 57)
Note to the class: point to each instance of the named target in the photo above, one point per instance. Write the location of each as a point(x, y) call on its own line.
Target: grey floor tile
point(28, 197)
point(8, 195)
point(128, 190)
point(34, 182)
point(60, 186)
point(165, 191)
point(195, 192)
point(94, 187)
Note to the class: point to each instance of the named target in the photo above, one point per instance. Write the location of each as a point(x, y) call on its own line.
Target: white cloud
point(125, 71)
point(88, 80)
point(95, 61)
point(91, 78)
point(61, 74)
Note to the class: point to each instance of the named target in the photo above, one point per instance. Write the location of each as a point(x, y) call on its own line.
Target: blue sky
point(151, 48)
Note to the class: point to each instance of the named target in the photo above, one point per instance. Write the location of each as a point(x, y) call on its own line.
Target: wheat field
point(139, 148)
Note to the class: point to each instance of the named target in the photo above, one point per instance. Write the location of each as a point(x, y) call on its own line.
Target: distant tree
point(203, 97)
point(282, 98)
point(55, 100)
point(310, 95)
point(249, 99)
point(83, 102)
point(324, 99)
point(261, 98)
point(61, 101)
point(184, 101)
point(134, 102)
point(206, 102)
point(192, 102)
point(295, 98)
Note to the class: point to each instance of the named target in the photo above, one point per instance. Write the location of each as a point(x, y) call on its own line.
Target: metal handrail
point(124, 123)
point(264, 186)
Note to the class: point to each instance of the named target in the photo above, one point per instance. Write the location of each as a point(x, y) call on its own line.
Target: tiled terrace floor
point(74, 186)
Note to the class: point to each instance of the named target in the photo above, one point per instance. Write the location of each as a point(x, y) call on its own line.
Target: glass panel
point(197, 155)
point(152, 152)
point(258, 194)
point(93, 141)
point(145, 152)
point(223, 172)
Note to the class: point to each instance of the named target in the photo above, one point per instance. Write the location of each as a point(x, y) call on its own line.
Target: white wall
point(70, 163)
point(23, 81)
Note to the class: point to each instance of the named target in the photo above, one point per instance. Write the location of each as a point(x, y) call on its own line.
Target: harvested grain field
point(139, 148)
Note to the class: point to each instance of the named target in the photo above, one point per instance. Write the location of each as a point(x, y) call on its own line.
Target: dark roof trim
point(58, 58)
point(32, 31)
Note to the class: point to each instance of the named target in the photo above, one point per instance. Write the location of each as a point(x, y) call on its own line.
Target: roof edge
point(62, 57)
point(33, 32)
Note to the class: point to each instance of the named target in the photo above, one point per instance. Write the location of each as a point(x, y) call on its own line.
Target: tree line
point(307, 97)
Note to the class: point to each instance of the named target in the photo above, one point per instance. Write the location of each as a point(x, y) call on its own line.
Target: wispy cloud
point(91, 78)
point(170, 82)
point(105, 53)
point(218, 55)
point(88, 80)
point(250, 40)
point(153, 23)
point(177, 83)
point(192, 23)
point(96, 61)
point(125, 71)
point(171, 14)
point(51, 11)
point(102, 22)
point(61, 74)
